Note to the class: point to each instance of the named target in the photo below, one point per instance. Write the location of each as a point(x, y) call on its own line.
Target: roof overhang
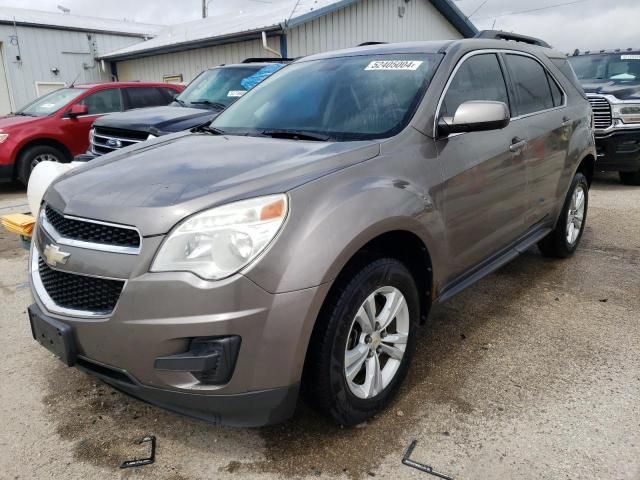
point(207, 42)
point(76, 29)
point(455, 16)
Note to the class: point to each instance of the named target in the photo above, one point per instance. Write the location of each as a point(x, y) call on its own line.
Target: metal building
point(293, 28)
point(41, 51)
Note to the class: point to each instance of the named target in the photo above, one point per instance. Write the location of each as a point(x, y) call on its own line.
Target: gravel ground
point(533, 373)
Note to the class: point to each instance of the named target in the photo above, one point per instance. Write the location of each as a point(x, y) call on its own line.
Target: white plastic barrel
point(41, 177)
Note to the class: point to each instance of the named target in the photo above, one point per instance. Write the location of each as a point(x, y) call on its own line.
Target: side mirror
point(475, 116)
point(77, 110)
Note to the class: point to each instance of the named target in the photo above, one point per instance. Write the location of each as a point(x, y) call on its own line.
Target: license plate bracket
point(55, 336)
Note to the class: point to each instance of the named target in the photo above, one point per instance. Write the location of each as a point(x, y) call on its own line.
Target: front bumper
point(159, 314)
point(619, 151)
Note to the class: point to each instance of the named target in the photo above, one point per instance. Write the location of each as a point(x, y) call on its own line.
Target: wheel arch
point(587, 167)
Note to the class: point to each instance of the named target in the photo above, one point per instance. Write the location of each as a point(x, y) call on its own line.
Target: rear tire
point(363, 342)
point(31, 156)
point(563, 241)
point(630, 178)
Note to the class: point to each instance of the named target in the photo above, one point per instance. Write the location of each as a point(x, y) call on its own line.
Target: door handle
point(517, 144)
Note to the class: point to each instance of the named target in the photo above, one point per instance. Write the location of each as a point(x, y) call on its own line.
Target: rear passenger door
point(539, 102)
point(485, 189)
point(142, 97)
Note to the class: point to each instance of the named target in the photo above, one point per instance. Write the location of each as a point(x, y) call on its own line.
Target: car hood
point(158, 120)
point(621, 89)
point(156, 184)
point(9, 121)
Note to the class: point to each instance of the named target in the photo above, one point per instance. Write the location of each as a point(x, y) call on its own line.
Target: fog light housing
point(211, 360)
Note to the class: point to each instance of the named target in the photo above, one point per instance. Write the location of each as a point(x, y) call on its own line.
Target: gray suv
point(297, 243)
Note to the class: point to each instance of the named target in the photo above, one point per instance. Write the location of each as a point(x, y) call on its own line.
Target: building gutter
point(205, 42)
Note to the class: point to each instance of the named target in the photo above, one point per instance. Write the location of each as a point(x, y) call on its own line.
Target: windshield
point(607, 66)
point(51, 102)
point(220, 87)
point(345, 98)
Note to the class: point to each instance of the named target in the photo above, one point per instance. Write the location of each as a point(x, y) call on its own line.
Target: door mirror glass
point(475, 116)
point(77, 110)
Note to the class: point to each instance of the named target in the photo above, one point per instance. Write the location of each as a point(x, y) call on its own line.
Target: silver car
point(298, 242)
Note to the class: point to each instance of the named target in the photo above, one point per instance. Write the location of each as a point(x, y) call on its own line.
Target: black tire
point(556, 243)
point(28, 159)
point(630, 178)
point(325, 385)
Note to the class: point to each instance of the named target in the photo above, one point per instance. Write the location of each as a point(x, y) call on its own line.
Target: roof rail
point(514, 37)
point(267, 60)
point(366, 44)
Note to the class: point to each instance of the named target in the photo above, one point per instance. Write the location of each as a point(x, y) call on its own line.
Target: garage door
point(5, 104)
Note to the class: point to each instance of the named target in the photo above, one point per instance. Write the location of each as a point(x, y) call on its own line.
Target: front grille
point(79, 292)
point(601, 112)
point(105, 140)
point(88, 231)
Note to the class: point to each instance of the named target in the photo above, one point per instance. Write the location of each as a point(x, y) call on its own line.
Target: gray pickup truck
point(298, 242)
point(612, 82)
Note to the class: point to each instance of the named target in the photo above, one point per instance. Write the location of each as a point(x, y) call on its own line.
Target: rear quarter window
point(567, 70)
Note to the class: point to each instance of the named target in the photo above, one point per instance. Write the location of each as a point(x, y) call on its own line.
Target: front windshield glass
point(220, 87)
point(344, 98)
point(607, 66)
point(51, 102)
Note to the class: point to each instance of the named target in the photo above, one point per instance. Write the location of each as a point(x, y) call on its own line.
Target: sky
point(582, 24)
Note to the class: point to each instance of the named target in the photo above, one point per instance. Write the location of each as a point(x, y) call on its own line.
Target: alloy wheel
point(43, 157)
point(377, 342)
point(575, 216)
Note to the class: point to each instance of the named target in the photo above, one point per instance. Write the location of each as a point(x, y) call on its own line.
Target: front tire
point(32, 156)
point(363, 342)
point(630, 178)
point(563, 241)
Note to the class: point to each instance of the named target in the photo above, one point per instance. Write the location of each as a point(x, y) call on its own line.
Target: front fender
point(330, 221)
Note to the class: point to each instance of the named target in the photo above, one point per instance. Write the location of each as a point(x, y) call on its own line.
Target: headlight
point(629, 112)
point(217, 243)
point(3, 137)
point(91, 132)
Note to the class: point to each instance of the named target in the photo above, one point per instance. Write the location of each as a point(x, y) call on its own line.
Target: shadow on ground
point(103, 423)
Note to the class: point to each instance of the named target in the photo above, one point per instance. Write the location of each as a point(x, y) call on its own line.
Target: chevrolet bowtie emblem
point(53, 255)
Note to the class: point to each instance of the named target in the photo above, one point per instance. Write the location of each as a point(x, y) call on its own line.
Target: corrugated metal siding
point(191, 62)
point(43, 49)
point(370, 20)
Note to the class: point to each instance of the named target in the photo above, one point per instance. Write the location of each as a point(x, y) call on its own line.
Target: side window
point(168, 93)
point(556, 92)
point(533, 93)
point(140, 97)
point(478, 78)
point(104, 101)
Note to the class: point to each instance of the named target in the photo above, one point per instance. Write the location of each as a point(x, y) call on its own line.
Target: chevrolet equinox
point(297, 242)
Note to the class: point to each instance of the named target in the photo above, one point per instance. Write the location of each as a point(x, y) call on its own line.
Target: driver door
point(485, 179)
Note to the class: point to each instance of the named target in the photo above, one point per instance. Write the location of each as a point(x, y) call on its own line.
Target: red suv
point(56, 126)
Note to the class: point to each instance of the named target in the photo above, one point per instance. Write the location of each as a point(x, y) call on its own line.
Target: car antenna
point(74, 80)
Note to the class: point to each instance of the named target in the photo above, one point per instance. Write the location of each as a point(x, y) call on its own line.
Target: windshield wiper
point(219, 105)
point(181, 102)
point(294, 134)
point(23, 114)
point(209, 129)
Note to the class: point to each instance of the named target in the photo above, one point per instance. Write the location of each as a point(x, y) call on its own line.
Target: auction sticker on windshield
point(629, 57)
point(394, 65)
point(236, 93)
